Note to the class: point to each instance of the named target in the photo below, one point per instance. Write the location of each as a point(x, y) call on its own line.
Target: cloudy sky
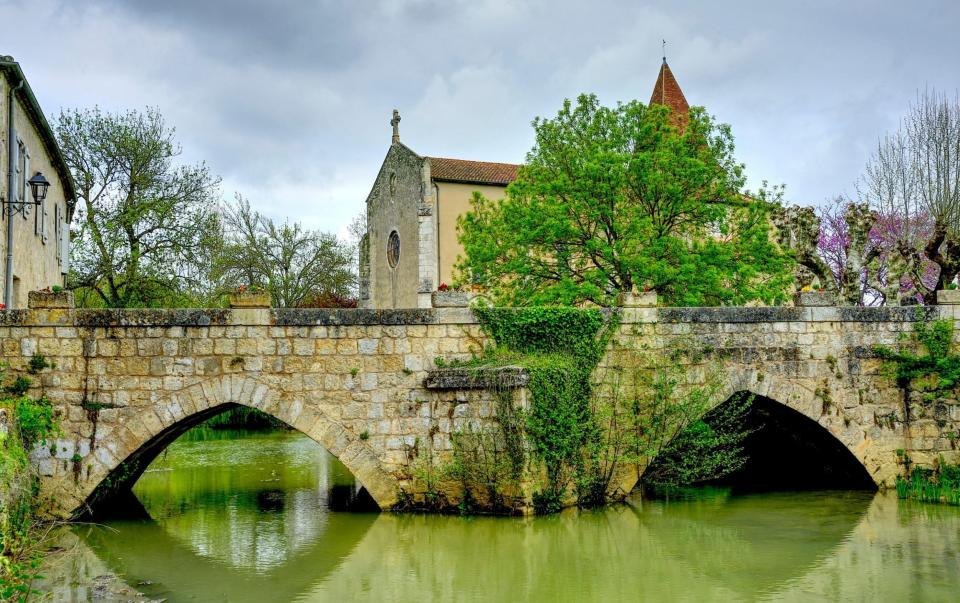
point(289, 100)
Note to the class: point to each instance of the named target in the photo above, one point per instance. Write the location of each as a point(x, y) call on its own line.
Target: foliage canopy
point(616, 198)
point(145, 223)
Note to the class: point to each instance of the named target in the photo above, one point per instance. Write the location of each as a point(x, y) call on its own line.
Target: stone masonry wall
point(129, 381)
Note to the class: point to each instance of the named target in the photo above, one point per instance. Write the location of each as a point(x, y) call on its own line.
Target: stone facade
point(40, 235)
point(128, 382)
point(402, 202)
point(419, 198)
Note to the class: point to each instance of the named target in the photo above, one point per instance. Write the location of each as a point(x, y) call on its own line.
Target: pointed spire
point(667, 91)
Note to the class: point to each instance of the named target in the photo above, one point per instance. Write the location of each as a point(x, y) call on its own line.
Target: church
point(411, 243)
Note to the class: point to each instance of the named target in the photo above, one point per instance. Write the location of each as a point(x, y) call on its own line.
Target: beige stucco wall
point(453, 200)
point(35, 263)
point(388, 209)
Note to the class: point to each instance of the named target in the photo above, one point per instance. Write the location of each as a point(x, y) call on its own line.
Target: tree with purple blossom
point(875, 258)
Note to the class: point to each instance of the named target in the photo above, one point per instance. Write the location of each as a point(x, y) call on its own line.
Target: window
point(393, 249)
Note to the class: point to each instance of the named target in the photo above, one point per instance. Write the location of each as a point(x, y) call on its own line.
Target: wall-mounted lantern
point(38, 186)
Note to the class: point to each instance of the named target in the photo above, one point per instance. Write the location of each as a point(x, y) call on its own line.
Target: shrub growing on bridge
point(582, 430)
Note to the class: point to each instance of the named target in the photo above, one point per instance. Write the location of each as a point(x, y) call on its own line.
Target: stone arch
point(795, 396)
point(126, 451)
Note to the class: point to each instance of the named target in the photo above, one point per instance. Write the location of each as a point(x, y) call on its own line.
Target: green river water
point(246, 517)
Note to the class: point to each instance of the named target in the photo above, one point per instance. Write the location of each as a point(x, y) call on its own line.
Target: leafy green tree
point(294, 264)
point(613, 199)
point(144, 224)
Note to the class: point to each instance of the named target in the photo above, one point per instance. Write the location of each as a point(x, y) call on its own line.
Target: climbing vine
point(926, 356)
point(558, 347)
point(29, 422)
point(927, 368)
point(583, 429)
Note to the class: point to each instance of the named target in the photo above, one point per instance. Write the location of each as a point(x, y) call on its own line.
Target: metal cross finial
point(664, 51)
point(395, 122)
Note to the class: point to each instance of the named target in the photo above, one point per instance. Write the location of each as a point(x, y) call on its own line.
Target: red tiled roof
point(477, 172)
point(667, 91)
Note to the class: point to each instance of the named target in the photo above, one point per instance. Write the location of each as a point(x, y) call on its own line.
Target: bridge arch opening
point(114, 497)
point(786, 450)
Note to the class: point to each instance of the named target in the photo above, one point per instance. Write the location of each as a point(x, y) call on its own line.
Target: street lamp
point(38, 188)
point(38, 185)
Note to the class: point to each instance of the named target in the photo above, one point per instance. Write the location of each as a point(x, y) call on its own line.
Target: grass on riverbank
point(939, 485)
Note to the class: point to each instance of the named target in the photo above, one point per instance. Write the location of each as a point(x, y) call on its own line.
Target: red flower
point(443, 287)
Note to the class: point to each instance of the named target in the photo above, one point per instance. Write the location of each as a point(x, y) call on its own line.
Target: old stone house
point(34, 238)
point(411, 244)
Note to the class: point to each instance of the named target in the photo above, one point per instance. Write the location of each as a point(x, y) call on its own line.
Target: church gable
point(392, 246)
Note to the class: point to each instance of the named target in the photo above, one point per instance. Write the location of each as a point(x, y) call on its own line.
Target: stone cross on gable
point(395, 122)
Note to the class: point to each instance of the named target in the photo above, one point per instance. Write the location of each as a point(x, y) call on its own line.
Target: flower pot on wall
point(49, 300)
point(250, 299)
point(634, 299)
point(814, 298)
point(451, 299)
point(948, 297)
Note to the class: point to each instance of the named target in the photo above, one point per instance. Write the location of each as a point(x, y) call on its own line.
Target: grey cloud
point(269, 93)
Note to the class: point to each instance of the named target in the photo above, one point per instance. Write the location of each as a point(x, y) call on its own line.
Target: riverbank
point(19, 558)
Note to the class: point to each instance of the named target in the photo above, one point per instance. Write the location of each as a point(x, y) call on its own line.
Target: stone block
point(451, 299)
point(250, 299)
point(947, 297)
point(50, 300)
point(632, 299)
point(814, 299)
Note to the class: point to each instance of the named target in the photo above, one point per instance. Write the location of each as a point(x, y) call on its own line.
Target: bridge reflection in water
point(250, 520)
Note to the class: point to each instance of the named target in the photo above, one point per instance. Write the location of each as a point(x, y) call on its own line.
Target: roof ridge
point(469, 160)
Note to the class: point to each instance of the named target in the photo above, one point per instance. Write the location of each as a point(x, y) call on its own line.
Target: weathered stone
point(450, 299)
point(814, 298)
point(948, 297)
point(250, 299)
point(336, 374)
point(50, 300)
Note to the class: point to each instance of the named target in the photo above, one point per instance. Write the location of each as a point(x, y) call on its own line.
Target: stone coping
point(794, 314)
point(427, 316)
point(477, 378)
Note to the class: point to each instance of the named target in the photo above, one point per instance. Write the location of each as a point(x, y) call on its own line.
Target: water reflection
point(250, 520)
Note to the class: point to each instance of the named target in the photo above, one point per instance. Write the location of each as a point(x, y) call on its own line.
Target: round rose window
point(393, 249)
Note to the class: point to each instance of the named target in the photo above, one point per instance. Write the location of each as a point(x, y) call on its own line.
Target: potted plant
point(810, 296)
point(451, 297)
point(249, 297)
point(50, 298)
point(949, 295)
point(637, 299)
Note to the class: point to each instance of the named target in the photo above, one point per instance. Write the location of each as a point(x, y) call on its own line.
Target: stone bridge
point(358, 382)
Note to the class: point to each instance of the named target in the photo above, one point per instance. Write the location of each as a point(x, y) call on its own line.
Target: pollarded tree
point(914, 177)
point(874, 258)
point(294, 264)
point(617, 198)
point(143, 222)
